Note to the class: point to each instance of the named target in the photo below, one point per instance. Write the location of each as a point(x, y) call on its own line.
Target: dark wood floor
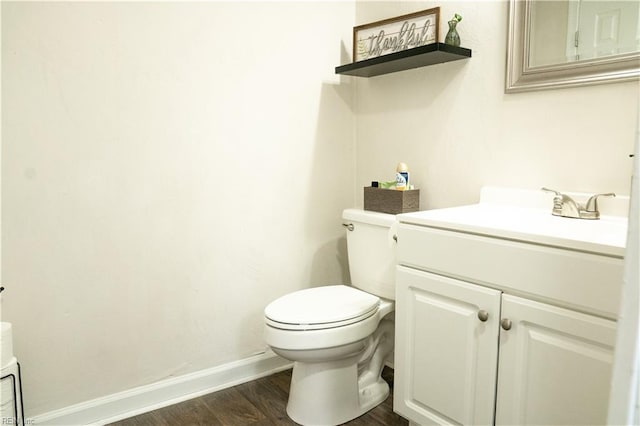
point(258, 403)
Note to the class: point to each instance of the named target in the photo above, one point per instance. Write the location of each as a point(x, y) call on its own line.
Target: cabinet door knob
point(483, 315)
point(506, 324)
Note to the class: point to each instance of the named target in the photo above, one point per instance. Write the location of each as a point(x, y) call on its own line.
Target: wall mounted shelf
point(422, 56)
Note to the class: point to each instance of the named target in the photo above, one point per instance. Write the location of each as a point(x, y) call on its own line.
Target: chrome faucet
point(565, 206)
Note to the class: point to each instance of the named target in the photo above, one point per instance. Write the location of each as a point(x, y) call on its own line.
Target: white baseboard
point(146, 398)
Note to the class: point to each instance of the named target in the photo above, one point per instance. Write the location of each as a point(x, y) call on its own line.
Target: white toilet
point(338, 335)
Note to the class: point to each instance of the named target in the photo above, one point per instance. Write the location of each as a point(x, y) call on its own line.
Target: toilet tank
point(372, 251)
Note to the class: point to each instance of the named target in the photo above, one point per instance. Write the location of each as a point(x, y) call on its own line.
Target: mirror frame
point(521, 77)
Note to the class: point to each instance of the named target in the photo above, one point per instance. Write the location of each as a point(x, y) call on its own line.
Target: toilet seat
point(321, 308)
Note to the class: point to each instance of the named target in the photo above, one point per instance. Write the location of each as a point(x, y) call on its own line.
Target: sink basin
point(525, 215)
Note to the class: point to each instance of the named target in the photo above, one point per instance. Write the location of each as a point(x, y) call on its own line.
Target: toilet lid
point(321, 307)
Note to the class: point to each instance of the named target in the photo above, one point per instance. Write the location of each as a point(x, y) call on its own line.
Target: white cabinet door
point(555, 365)
point(445, 359)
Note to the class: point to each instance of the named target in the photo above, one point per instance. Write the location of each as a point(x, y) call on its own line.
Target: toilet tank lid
point(370, 217)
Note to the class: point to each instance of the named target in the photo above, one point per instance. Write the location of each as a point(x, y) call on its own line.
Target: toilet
point(340, 336)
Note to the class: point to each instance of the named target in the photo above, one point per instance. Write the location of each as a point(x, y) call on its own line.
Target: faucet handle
point(557, 200)
point(558, 193)
point(592, 203)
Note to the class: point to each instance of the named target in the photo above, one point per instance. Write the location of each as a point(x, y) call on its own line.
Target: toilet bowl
point(340, 336)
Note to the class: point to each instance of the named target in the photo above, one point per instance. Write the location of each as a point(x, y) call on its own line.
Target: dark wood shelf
point(422, 56)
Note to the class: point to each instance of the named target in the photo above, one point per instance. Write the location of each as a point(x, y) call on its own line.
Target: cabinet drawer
point(578, 280)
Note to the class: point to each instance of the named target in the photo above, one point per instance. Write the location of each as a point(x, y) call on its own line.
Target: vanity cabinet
point(498, 331)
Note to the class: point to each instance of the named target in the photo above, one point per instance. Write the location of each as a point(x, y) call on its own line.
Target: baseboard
point(146, 398)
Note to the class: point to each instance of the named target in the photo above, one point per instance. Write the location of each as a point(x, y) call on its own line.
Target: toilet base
point(333, 392)
point(326, 394)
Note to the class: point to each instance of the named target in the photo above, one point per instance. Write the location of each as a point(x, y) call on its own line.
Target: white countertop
point(525, 215)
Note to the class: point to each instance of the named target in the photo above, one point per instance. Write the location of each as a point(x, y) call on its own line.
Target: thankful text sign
point(395, 34)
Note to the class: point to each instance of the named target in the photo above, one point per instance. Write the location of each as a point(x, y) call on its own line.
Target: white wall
point(167, 170)
point(457, 130)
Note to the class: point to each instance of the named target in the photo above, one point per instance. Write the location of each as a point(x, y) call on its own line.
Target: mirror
point(568, 43)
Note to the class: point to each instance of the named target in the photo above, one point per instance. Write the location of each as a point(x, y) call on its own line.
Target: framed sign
point(395, 34)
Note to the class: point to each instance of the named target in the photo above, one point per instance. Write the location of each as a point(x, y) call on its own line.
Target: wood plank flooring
point(261, 402)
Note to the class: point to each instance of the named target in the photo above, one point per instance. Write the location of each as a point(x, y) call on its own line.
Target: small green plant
point(457, 17)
